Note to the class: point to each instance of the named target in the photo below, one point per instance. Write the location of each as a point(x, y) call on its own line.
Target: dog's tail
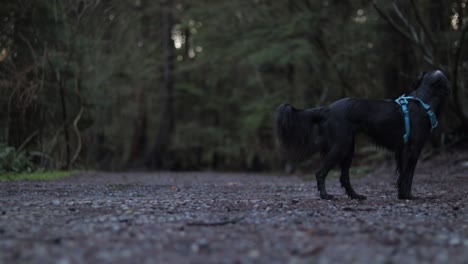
point(298, 131)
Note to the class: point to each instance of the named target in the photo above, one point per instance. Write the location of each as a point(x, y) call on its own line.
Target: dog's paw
point(358, 197)
point(326, 196)
point(407, 197)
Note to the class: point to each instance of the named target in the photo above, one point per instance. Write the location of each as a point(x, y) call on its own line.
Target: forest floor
point(210, 217)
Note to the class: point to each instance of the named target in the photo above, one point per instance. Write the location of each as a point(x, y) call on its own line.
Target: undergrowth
point(33, 176)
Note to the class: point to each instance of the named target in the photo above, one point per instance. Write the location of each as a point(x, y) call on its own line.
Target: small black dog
point(331, 130)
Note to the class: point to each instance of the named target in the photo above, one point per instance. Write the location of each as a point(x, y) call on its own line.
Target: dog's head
point(433, 88)
point(434, 82)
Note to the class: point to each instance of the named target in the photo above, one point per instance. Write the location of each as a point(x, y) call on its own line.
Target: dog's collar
point(403, 102)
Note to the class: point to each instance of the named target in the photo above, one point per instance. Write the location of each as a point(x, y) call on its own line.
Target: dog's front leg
point(407, 164)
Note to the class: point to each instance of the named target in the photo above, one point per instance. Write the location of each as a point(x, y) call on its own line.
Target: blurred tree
point(194, 84)
point(166, 124)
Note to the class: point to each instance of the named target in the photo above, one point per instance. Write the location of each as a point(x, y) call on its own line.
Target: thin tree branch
point(414, 40)
point(390, 21)
point(78, 136)
point(422, 24)
point(419, 40)
point(217, 223)
point(77, 119)
point(322, 46)
point(460, 14)
point(406, 22)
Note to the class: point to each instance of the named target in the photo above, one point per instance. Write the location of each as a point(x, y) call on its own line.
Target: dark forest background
point(194, 84)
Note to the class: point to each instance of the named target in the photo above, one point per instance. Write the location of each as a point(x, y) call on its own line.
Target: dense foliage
point(194, 84)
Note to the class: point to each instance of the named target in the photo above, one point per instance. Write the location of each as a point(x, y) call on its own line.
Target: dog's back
point(380, 120)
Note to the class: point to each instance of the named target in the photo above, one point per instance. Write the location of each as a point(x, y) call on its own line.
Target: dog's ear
point(415, 85)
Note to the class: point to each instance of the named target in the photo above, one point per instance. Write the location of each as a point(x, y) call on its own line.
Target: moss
point(35, 176)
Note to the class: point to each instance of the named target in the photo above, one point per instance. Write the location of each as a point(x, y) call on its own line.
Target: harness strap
point(403, 102)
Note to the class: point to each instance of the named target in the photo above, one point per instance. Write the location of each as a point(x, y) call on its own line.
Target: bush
point(13, 160)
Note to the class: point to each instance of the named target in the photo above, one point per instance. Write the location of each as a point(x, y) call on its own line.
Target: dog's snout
point(438, 72)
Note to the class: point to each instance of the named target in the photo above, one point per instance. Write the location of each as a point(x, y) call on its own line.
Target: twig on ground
point(217, 223)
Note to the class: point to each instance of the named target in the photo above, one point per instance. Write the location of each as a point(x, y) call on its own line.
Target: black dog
point(331, 130)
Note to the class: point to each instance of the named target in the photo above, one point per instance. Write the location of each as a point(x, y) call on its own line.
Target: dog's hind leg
point(328, 162)
point(320, 176)
point(344, 178)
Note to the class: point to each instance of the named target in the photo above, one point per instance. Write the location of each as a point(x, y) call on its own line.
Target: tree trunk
point(166, 127)
point(140, 123)
point(458, 82)
point(139, 139)
point(65, 122)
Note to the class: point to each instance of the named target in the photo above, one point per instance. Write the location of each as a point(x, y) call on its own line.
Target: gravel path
point(212, 217)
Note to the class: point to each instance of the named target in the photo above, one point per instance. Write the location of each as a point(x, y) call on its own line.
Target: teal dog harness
point(403, 102)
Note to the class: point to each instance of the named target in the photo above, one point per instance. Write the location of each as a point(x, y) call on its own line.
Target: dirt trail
point(235, 218)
